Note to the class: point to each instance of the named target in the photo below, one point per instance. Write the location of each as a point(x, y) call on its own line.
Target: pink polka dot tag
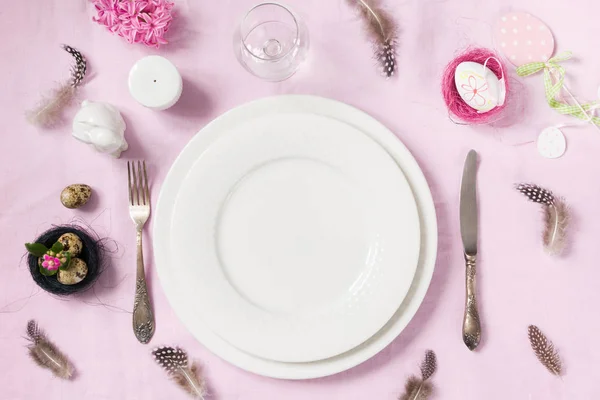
point(523, 38)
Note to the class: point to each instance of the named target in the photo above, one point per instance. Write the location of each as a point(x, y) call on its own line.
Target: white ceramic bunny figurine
point(102, 126)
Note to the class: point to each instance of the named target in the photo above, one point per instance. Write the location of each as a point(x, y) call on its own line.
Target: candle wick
point(155, 80)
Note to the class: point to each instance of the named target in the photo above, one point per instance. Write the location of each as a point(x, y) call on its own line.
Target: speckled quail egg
point(74, 273)
point(75, 196)
point(71, 243)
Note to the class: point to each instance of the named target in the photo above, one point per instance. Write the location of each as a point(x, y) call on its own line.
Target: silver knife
point(471, 329)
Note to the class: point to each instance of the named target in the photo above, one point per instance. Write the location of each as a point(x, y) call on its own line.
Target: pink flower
point(160, 3)
point(473, 90)
point(152, 27)
point(50, 263)
point(138, 21)
point(129, 9)
point(107, 12)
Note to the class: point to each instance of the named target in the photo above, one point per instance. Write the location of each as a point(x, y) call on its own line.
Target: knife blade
point(468, 204)
point(471, 329)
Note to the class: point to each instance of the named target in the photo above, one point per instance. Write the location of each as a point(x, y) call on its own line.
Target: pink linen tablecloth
point(518, 284)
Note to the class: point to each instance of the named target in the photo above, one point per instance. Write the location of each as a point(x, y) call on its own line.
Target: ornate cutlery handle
point(143, 317)
point(471, 327)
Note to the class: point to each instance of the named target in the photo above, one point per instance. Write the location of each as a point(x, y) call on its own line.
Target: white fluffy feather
point(556, 221)
point(49, 112)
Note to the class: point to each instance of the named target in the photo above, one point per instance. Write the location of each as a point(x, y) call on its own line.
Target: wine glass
point(271, 42)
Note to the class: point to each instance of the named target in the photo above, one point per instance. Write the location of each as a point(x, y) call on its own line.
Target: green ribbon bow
point(554, 79)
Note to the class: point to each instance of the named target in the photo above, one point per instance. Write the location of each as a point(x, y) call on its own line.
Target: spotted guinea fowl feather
point(556, 216)
point(421, 388)
point(429, 365)
point(79, 69)
point(45, 354)
point(175, 362)
point(544, 350)
point(382, 30)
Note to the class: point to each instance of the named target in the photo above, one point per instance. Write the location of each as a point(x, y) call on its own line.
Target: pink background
point(518, 284)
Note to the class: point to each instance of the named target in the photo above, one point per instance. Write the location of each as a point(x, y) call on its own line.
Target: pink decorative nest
point(137, 21)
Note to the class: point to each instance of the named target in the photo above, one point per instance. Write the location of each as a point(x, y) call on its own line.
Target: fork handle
point(471, 325)
point(143, 317)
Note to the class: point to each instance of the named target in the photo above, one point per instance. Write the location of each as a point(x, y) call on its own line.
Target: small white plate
point(182, 301)
point(299, 236)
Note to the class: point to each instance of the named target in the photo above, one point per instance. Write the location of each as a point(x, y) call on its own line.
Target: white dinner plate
point(298, 235)
point(182, 301)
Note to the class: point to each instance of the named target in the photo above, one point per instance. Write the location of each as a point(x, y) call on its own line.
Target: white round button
point(155, 82)
point(551, 143)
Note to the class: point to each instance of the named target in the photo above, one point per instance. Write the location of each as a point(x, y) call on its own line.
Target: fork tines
point(140, 184)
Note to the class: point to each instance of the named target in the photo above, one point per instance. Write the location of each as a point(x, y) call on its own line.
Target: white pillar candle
point(154, 82)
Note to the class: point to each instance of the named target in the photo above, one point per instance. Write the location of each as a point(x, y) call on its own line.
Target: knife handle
point(471, 326)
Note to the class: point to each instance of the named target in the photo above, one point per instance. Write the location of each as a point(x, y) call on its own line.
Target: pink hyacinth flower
point(152, 28)
point(107, 12)
point(138, 21)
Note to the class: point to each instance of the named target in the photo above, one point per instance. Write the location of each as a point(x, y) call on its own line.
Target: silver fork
point(139, 210)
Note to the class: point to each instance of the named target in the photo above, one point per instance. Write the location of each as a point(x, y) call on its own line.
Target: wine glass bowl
point(271, 42)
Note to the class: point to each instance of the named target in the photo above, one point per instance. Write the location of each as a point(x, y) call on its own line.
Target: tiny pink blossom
point(138, 21)
point(50, 263)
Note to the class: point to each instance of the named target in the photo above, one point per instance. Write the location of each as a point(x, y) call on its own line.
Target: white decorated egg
point(478, 86)
point(551, 143)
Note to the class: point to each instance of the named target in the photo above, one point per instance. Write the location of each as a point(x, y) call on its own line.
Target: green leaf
point(66, 264)
point(57, 247)
point(46, 272)
point(37, 249)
